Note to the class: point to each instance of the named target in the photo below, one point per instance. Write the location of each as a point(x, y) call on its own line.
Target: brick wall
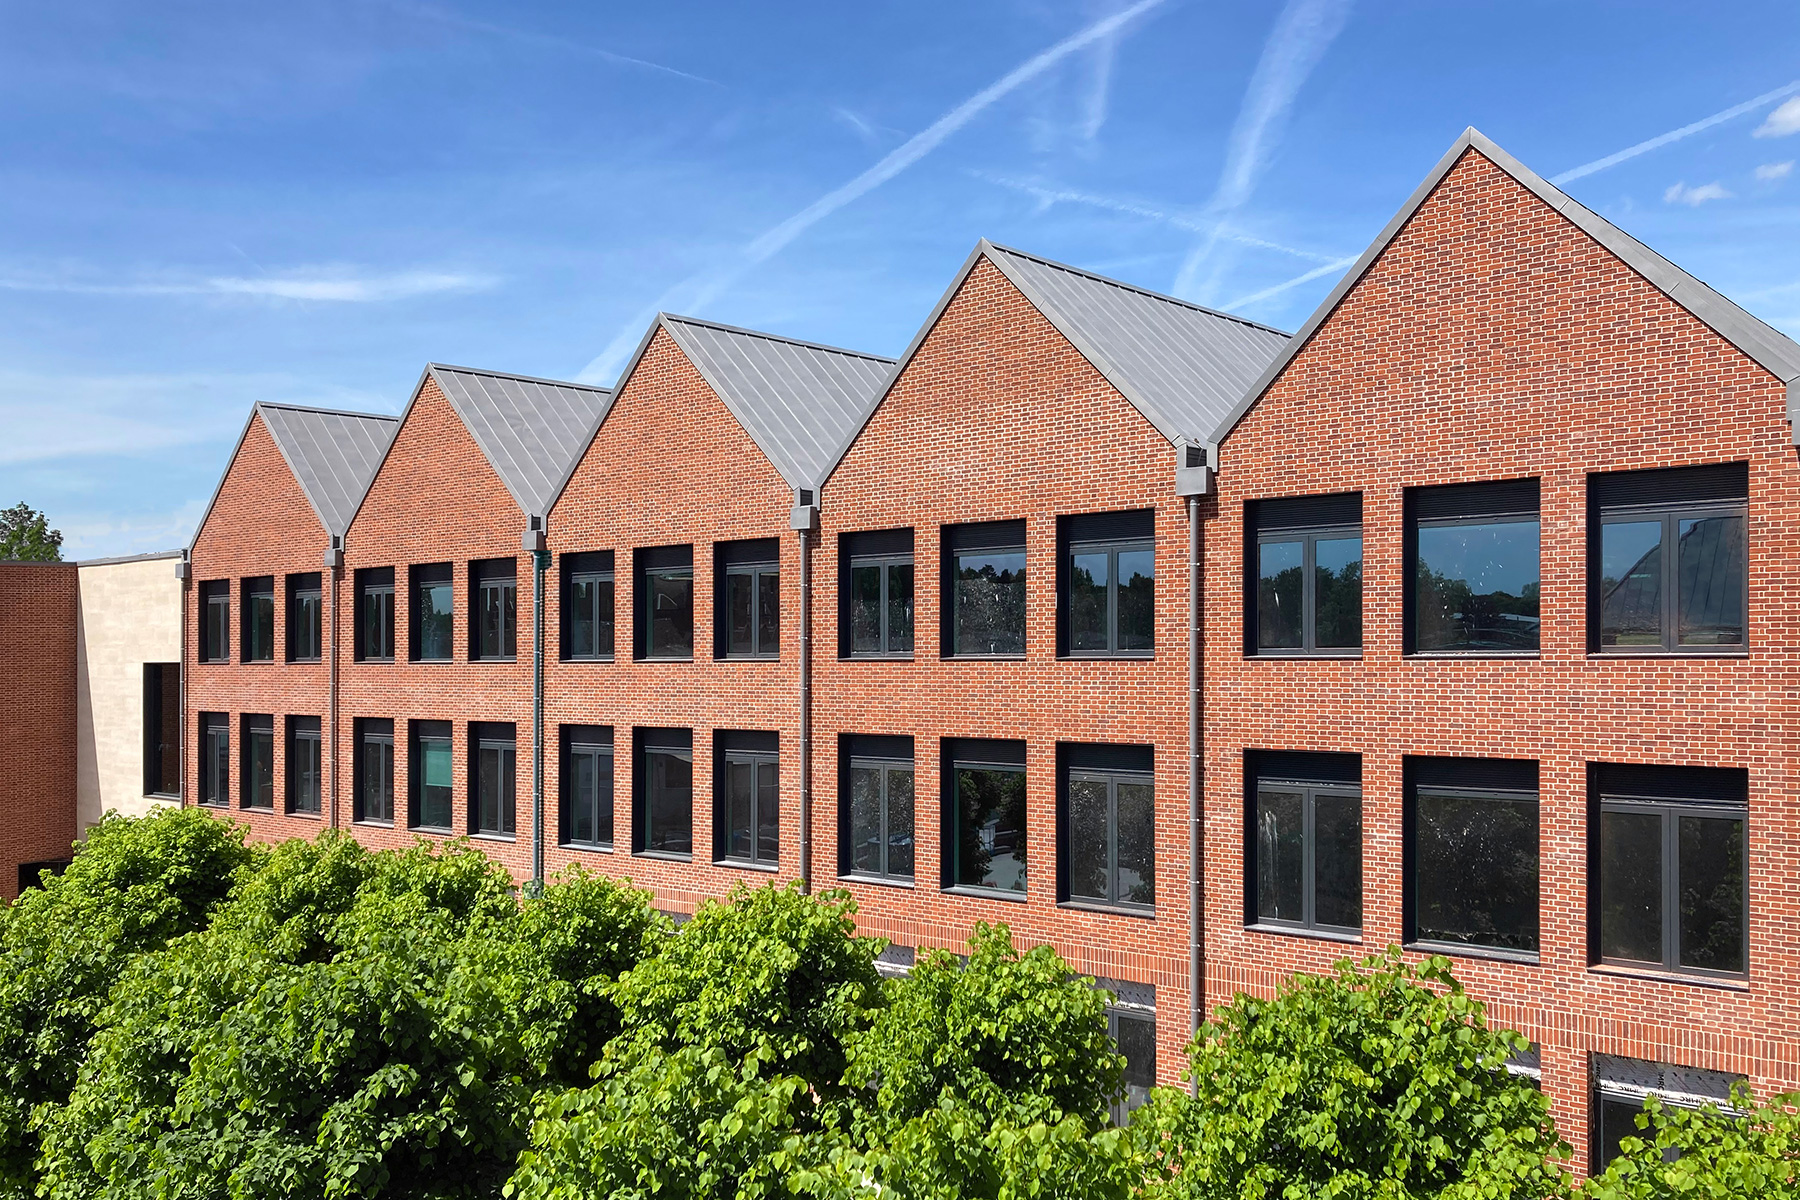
point(38, 604)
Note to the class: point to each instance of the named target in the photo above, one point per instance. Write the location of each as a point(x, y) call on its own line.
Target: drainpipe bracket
point(804, 518)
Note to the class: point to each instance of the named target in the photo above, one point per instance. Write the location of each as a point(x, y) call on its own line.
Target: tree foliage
point(1689, 1154)
point(25, 534)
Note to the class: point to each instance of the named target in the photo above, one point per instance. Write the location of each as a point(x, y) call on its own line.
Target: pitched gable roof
point(1766, 345)
point(531, 430)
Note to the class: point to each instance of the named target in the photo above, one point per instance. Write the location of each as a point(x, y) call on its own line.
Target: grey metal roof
point(1763, 343)
point(332, 454)
point(532, 430)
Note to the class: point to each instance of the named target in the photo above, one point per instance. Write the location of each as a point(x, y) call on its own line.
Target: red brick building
point(38, 613)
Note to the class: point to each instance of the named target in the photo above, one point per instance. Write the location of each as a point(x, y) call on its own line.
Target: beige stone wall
point(130, 614)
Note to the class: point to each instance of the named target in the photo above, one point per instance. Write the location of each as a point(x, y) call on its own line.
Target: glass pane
point(434, 782)
point(1137, 599)
point(1711, 867)
point(1137, 841)
point(221, 772)
point(900, 822)
point(1137, 1042)
point(261, 769)
point(603, 617)
point(435, 607)
point(865, 819)
point(900, 608)
point(1337, 860)
point(1088, 612)
point(1478, 586)
point(1631, 886)
point(218, 622)
point(1337, 593)
point(603, 793)
point(990, 603)
point(1631, 584)
point(378, 781)
point(768, 812)
point(581, 616)
point(487, 789)
point(1712, 569)
point(768, 612)
point(1476, 864)
point(583, 797)
point(306, 774)
point(1280, 856)
point(865, 610)
point(670, 817)
point(1088, 839)
point(1278, 595)
point(990, 828)
point(306, 621)
point(671, 603)
point(740, 634)
point(262, 626)
point(1617, 1119)
point(740, 781)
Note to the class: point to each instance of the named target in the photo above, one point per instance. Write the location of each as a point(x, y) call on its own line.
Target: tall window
point(304, 777)
point(665, 605)
point(494, 784)
point(1305, 841)
point(875, 610)
point(258, 641)
point(1472, 552)
point(1621, 1085)
point(1131, 1020)
point(984, 601)
point(374, 770)
point(1306, 557)
point(664, 787)
point(215, 621)
point(1109, 825)
point(1472, 854)
point(747, 804)
point(588, 605)
point(256, 780)
point(1107, 584)
point(876, 811)
point(162, 729)
point(433, 613)
point(215, 758)
point(430, 773)
point(305, 618)
point(984, 783)
point(375, 614)
point(1669, 559)
point(587, 785)
point(747, 594)
point(1672, 893)
point(494, 586)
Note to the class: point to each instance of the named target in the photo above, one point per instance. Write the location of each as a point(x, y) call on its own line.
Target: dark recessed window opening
point(984, 578)
point(375, 614)
point(215, 759)
point(588, 605)
point(215, 621)
point(495, 798)
point(258, 640)
point(494, 588)
point(747, 804)
point(875, 615)
point(665, 583)
point(1133, 1030)
point(1108, 825)
point(664, 787)
point(747, 589)
point(1672, 891)
point(374, 770)
point(257, 771)
point(877, 811)
point(433, 613)
point(1472, 853)
point(1473, 568)
point(162, 729)
point(1306, 555)
point(587, 785)
point(1672, 562)
point(1107, 586)
point(985, 806)
point(306, 618)
point(304, 759)
point(1621, 1086)
point(430, 773)
point(1305, 841)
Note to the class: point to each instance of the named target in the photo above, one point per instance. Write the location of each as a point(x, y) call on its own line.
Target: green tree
point(25, 534)
point(1688, 1154)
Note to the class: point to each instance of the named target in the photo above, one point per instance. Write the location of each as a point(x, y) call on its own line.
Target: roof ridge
point(587, 387)
point(329, 412)
point(775, 337)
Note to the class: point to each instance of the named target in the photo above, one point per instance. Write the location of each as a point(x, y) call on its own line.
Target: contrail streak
point(1675, 135)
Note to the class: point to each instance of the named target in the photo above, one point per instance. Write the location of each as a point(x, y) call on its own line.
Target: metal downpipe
point(805, 711)
point(1196, 805)
point(332, 699)
point(540, 563)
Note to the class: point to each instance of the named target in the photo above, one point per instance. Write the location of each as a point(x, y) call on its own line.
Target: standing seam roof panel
point(333, 455)
point(531, 430)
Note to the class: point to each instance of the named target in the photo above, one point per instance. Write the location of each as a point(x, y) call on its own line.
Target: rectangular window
point(875, 811)
point(1106, 593)
point(1304, 559)
point(747, 596)
point(431, 795)
point(664, 787)
point(433, 612)
point(1132, 1022)
point(588, 605)
point(215, 621)
point(215, 759)
point(1669, 559)
point(1472, 566)
point(493, 786)
point(1304, 841)
point(747, 797)
point(875, 609)
point(256, 781)
point(587, 785)
point(1472, 854)
point(162, 729)
point(984, 808)
point(258, 640)
point(375, 614)
point(494, 589)
point(665, 606)
point(304, 776)
point(984, 590)
point(1671, 845)
point(1108, 825)
point(374, 770)
point(1621, 1085)
point(305, 618)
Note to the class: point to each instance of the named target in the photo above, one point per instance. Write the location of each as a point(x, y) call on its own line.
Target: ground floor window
point(1132, 1022)
point(1620, 1086)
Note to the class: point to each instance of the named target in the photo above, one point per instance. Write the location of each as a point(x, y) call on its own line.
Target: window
point(587, 624)
point(430, 776)
point(215, 621)
point(494, 587)
point(747, 804)
point(1304, 841)
point(875, 608)
point(257, 779)
point(1106, 586)
point(1668, 559)
point(494, 786)
point(304, 777)
point(984, 601)
point(162, 729)
point(215, 758)
point(587, 785)
point(1472, 854)
point(665, 606)
point(1671, 845)
point(664, 792)
point(1620, 1086)
point(433, 613)
point(984, 806)
point(374, 770)
point(305, 619)
point(1131, 1020)
point(1472, 552)
point(1108, 826)
point(257, 643)
point(375, 614)
point(1304, 556)
point(875, 811)
point(747, 599)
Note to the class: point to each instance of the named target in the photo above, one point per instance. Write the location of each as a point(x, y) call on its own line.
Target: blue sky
point(204, 204)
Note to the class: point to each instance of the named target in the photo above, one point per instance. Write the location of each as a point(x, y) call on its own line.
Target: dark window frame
point(501, 738)
point(1116, 1015)
point(753, 560)
point(1308, 923)
point(646, 742)
point(418, 733)
point(886, 755)
point(670, 562)
point(256, 600)
point(372, 732)
point(254, 727)
point(215, 621)
point(303, 626)
point(882, 550)
point(305, 730)
point(595, 741)
point(419, 578)
point(1308, 520)
point(499, 576)
point(1009, 537)
point(957, 755)
point(1111, 533)
point(756, 751)
point(1498, 502)
point(162, 730)
point(214, 783)
point(595, 567)
point(374, 585)
point(1112, 765)
point(1479, 779)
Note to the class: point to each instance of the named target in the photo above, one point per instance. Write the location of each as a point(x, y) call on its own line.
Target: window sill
point(434, 830)
point(739, 864)
point(304, 662)
point(1457, 950)
point(1139, 911)
point(875, 658)
point(1309, 656)
point(1123, 656)
point(221, 806)
point(1647, 653)
point(162, 795)
point(258, 808)
point(374, 824)
point(256, 662)
point(1466, 655)
point(590, 658)
point(663, 658)
point(1300, 931)
point(493, 837)
point(981, 893)
point(438, 662)
point(892, 881)
point(1724, 983)
point(984, 658)
point(587, 847)
point(747, 658)
point(663, 855)
point(488, 659)
point(306, 816)
point(372, 660)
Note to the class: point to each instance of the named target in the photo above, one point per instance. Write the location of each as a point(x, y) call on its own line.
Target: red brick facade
point(38, 604)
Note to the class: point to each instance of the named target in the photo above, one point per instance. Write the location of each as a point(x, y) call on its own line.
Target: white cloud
point(1694, 197)
point(330, 284)
point(1780, 170)
point(1782, 121)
